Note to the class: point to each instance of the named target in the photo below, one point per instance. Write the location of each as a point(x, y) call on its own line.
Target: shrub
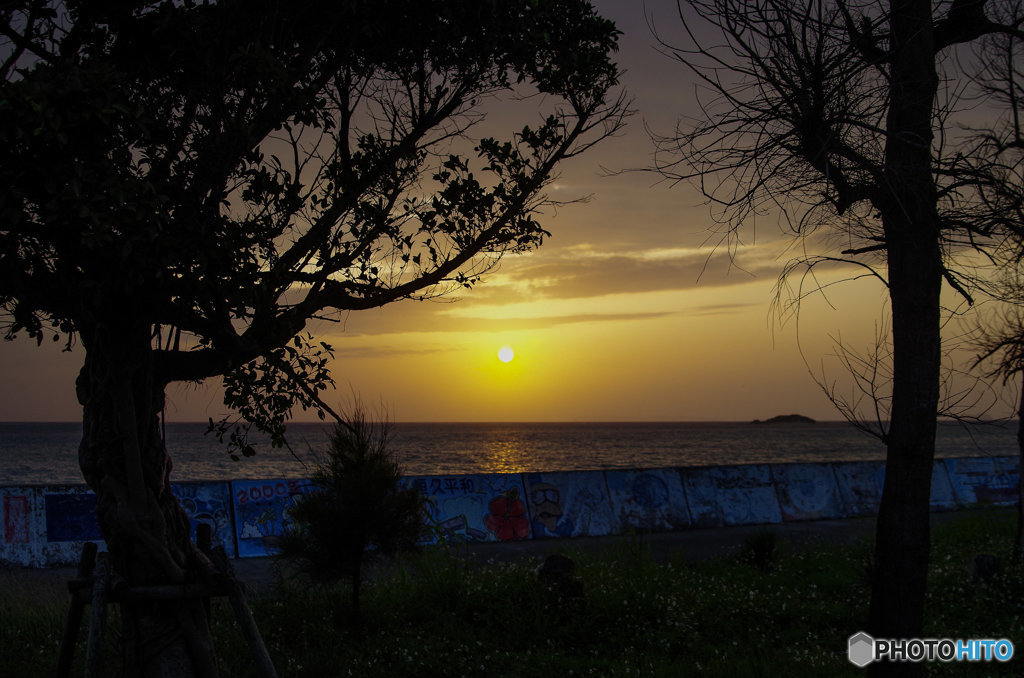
point(357, 510)
point(761, 549)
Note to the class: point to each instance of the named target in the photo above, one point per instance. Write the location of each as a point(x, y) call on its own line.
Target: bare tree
point(185, 185)
point(832, 112)
point(1001, 353)
point(993, 171)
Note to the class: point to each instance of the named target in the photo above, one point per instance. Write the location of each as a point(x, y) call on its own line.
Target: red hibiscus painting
point(507, 518)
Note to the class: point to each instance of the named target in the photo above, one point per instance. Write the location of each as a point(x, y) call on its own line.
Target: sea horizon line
point(526, 422)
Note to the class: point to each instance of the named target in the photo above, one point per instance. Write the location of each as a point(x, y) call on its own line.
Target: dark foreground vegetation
point(771, 610)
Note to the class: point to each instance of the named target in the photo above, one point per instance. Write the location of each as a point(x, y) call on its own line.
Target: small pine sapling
point(357, 509)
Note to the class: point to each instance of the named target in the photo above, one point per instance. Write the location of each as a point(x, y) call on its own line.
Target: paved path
point(696, 544)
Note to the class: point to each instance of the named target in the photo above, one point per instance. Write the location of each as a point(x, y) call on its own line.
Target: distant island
point(786, 419)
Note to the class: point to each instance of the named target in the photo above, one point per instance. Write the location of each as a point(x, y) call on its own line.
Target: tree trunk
point(911, 224)
point(1018, 543)
point(124, 460)
point(902, 538)
point(357, 592)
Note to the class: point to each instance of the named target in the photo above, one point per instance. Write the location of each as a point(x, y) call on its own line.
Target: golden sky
point(627, 313)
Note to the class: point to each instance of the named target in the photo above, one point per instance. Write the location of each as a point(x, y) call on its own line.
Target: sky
point(628, 312)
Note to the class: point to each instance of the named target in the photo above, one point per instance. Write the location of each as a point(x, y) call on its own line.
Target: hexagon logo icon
point(861, 651)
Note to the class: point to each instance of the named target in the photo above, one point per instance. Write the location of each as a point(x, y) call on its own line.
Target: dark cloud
point(424, 318)
point(344, 352)
point(584, 275)
point(721, 309)
point(507, 324)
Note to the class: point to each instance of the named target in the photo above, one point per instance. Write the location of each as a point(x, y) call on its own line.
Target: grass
point(31, 625)
point(769, 611)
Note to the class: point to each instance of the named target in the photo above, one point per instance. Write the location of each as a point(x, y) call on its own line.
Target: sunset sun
point(506, 354)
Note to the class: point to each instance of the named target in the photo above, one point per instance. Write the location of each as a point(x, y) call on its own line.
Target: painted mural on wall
point(860, 486)
point(1010, 468)
point(46, 526)
point(569, 504)
point(806, 491)
point(208, 503)
point(648, 500)
point(21, 526)
point(70, 520)
point(731, 495)
point(261, 512)
point(71, 514)
point(49, 525)
point(474, 508)
point(983, 480)
point(942, 490)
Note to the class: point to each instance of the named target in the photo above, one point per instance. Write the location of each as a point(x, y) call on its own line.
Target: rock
point(557, 573)
point(985, 567)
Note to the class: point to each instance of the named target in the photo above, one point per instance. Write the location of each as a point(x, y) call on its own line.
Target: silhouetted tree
point(994, 171)
point(185, 185)
point(831, 111)
point(1001, 347)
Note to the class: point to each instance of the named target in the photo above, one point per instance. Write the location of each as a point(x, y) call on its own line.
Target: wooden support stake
point(204, 539)
point(75, 608)
point(94, 585)
point(264, 665)
point(97, 619)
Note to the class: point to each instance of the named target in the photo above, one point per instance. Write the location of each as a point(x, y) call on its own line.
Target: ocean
point(46, 453)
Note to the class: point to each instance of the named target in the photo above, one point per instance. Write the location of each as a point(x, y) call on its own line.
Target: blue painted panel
point(68, 520)
point(860, 486)
point(261, 512)
point(980, 480)
point(569, 504)
point(71, 515)
point(731, 495)
point(942, 490)
point(1007, 464)
point(474, 508)
point(806, 491)
point(648, 500)
point(1009, 467)
point(209, 503)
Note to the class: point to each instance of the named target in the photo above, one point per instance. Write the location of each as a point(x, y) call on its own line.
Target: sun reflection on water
point(505, 455)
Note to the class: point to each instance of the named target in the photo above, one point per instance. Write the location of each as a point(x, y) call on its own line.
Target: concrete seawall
point(45, 526)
